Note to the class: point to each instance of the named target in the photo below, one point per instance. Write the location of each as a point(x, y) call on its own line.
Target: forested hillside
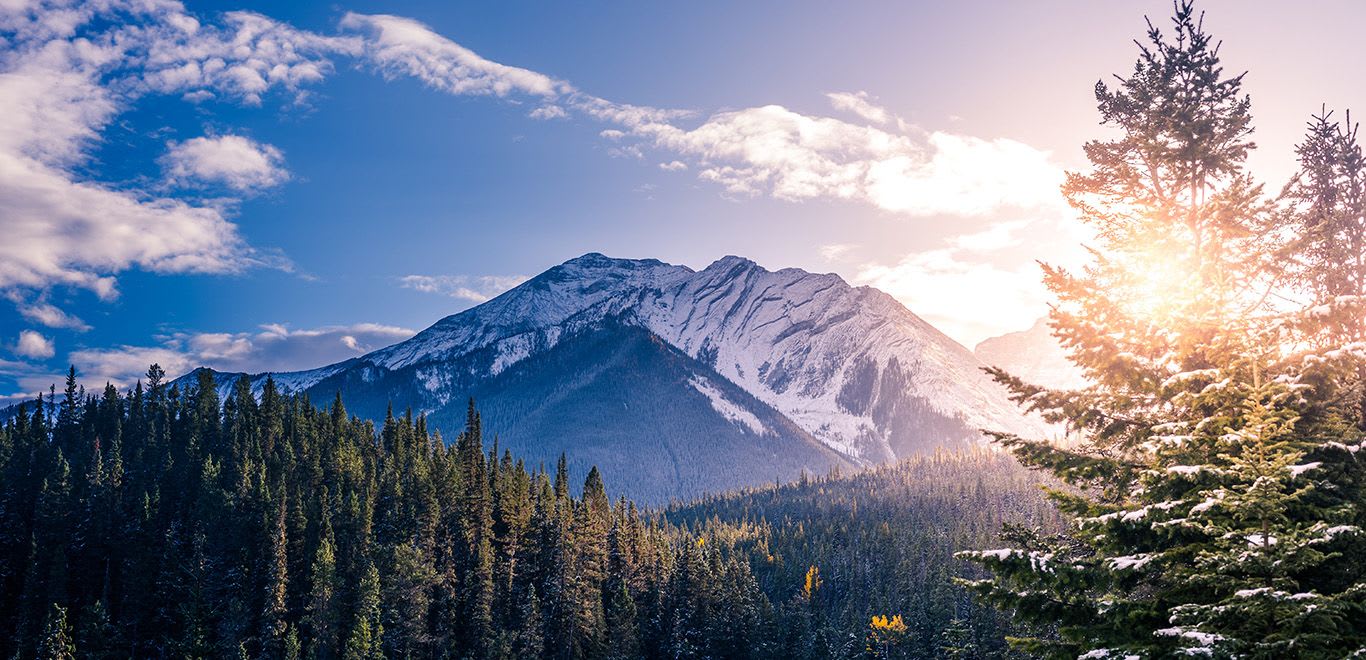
point(163, 524)
point(168, 523)
point(836, 551)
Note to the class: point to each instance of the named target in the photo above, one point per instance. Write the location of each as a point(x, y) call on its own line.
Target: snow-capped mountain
point(773, 354)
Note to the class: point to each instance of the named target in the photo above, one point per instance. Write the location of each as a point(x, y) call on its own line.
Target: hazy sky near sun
point(257, 185)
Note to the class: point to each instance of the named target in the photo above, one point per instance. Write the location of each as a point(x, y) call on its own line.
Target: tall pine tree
point(1202, 529)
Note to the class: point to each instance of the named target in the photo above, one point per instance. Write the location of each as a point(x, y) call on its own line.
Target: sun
point(1156, 282)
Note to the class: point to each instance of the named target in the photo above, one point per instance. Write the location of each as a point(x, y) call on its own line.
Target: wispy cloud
point(767, 150)
point(836, 251)
point(548, 112)
point(400, 46)
point(473, 288)
point(272, 347)
point(47, 314)
point(861, 104)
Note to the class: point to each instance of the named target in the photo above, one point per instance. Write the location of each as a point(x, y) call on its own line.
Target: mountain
point(1034, 355)
point(678, 382)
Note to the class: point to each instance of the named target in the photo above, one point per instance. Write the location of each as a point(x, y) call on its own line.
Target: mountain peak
point(589, 259)
point(733, 262)
point(598, 260)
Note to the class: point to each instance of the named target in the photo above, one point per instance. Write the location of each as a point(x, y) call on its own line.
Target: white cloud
point(861, 104)
point(238, 162)
point(475, 289)
point(272, 348)
point(278, 348)
point(773, 150)
point(244, 58)
point(985, 283)
point(49, 315)
point(66, 72)
point(402, 46)
point(34, 345)
point(836, 251)
point(673, 166)
point(995, 237)
point(548, 112)
point(59, 230)
point(762, 150)
point(968, 300)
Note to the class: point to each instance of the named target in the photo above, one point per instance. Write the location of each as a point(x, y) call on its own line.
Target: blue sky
point(271, 186)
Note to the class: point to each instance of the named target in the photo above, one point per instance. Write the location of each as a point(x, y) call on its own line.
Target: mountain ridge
point(848, 366)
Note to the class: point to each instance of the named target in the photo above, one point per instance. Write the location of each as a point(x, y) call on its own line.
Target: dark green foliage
point(882, 543)
point(168, 523)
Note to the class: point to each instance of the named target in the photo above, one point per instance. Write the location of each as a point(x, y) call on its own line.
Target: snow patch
point(726, 407)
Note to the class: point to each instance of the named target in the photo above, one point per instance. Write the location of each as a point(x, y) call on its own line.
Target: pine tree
point(957, 642)
point(274, 625)
point(96, 635)
point(476, 531)
point(321, 620)
point(367, 631)
point(55, 643)
point(1201, 530)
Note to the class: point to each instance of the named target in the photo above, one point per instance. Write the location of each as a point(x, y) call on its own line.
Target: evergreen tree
point(367, 631)
point(958, 643)
point(1202, 529)
point(274, 624)
point(321, 619)
point(55, 643)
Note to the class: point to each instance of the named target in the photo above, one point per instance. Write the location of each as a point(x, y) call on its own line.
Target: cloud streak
point(766, 150)
point(861, 104)
point(474, 289)
point(400, 46)
point(272, 347)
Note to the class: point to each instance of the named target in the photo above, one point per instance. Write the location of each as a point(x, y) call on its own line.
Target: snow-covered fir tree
point(1213, 471)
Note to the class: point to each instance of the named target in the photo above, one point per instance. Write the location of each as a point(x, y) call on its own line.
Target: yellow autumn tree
point(885, 634)
point(813, 582)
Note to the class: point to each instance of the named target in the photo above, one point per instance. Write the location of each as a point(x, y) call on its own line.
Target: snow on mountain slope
point(1033, 355)
point(818, 350)
point(521, 320)
point(849, 365)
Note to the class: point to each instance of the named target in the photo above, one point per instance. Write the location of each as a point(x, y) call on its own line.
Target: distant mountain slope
point(715, 360)
point(658, 423)
point(1033, 355)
